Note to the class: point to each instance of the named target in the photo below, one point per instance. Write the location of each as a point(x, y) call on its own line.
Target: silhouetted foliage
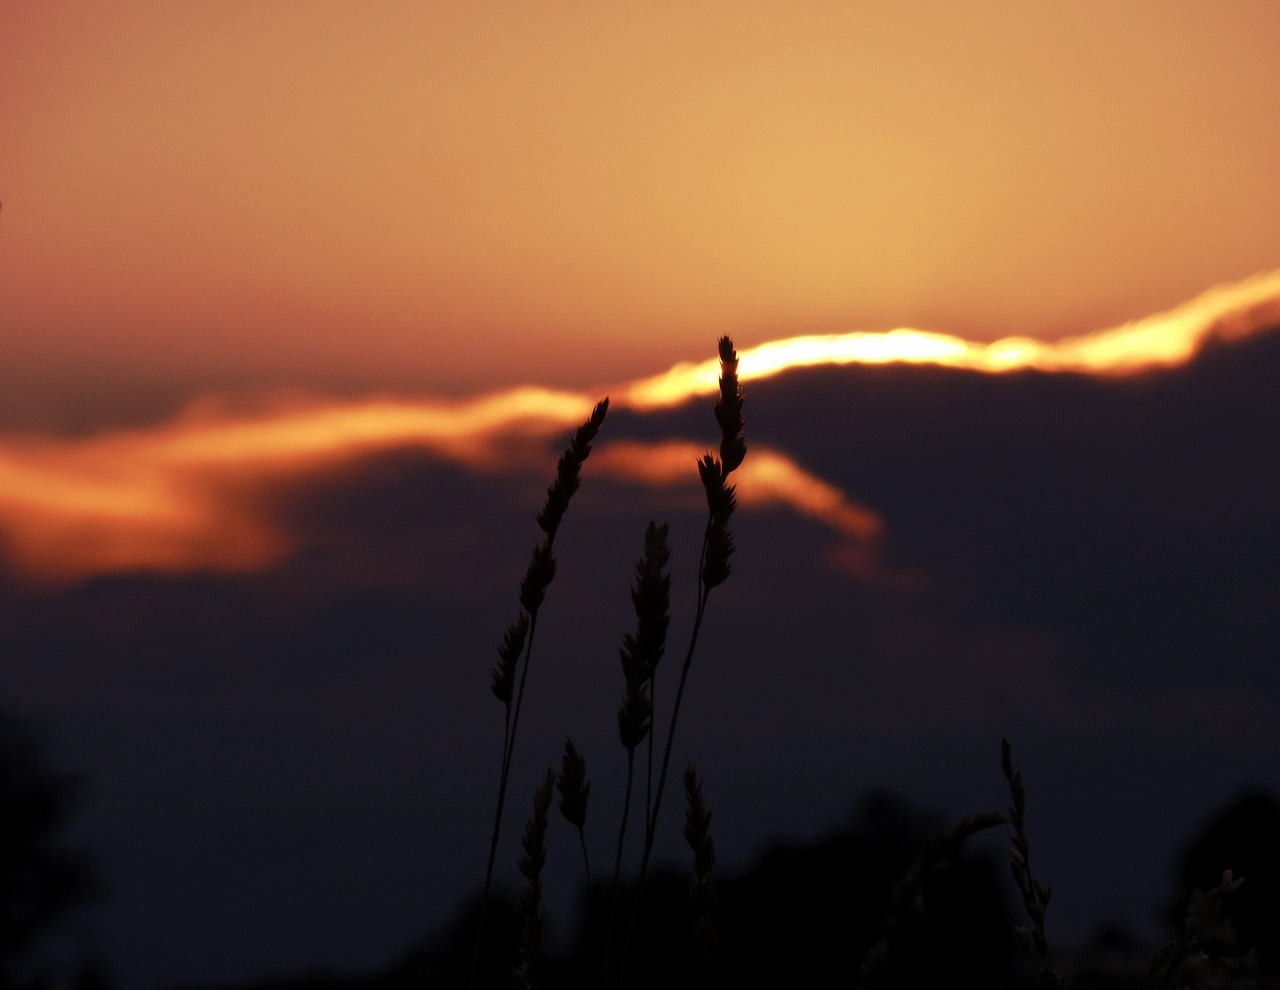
point(1245, 839)
point(446, 959)
point(802, 912)
point(805, 912)
point(40, 878)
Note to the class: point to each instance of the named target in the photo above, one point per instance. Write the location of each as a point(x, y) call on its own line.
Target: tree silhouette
point(1244, 838)
point(40, 878)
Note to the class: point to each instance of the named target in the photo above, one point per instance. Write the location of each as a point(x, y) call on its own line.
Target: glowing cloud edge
point(191, 494)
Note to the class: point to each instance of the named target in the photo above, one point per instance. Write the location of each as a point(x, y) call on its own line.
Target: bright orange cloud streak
point(765, 478)
point(1159, 341)
point(190, 494)
point(184, 495)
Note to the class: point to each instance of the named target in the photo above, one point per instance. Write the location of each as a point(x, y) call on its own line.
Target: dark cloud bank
point(295, 769)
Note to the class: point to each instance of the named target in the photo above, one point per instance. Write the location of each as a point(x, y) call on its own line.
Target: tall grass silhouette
point(517, 642)
point(1181, 963)
point(640, 655)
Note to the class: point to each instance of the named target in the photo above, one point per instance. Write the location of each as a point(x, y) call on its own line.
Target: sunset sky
point(453, 196)
point(296, 298)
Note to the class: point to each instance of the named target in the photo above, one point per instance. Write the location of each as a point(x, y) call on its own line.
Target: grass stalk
point(908, 895)
point(702, 888)
point(530, 903)
point(1188, 956)
point(617, 870)
point(640, 655)
point(575, 791)
point(1035, 892)
point(713, 570)
point(538, 577)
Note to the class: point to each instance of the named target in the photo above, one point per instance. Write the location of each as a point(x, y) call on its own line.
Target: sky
point(298, 302)
point(448, 197)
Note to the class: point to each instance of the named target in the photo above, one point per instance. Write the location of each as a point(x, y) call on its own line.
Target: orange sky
point(454, 196)
point(193, 492)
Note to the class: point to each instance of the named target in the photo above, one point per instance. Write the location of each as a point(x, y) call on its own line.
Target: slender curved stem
point(617, 866)
point(651, 824)
point(648, 784)
point(508, 750)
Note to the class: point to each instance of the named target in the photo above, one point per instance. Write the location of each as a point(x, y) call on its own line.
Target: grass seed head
point(713, 483)
point(733, 446)
point(697, 823)
point(651, 597)
point(569, 469)
point(504, 674)
point(721, 502)
point(702, 889)
point(530, 900)
point(715, 568)
point(715, 472)
point(573, 786)
point(535, 831)
point(635, 715)
point(538, 577)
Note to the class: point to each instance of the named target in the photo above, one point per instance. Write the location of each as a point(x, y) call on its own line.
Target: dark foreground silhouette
point(1243, 838)
point(801, 913)
point(42, 878)
point(807, 911)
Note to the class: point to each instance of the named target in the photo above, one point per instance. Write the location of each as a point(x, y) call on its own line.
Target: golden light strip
point(1160, 341)
point(191, 493)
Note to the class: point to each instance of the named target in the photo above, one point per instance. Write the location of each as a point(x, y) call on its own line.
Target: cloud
point(195, 493)
point(1163, 340)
